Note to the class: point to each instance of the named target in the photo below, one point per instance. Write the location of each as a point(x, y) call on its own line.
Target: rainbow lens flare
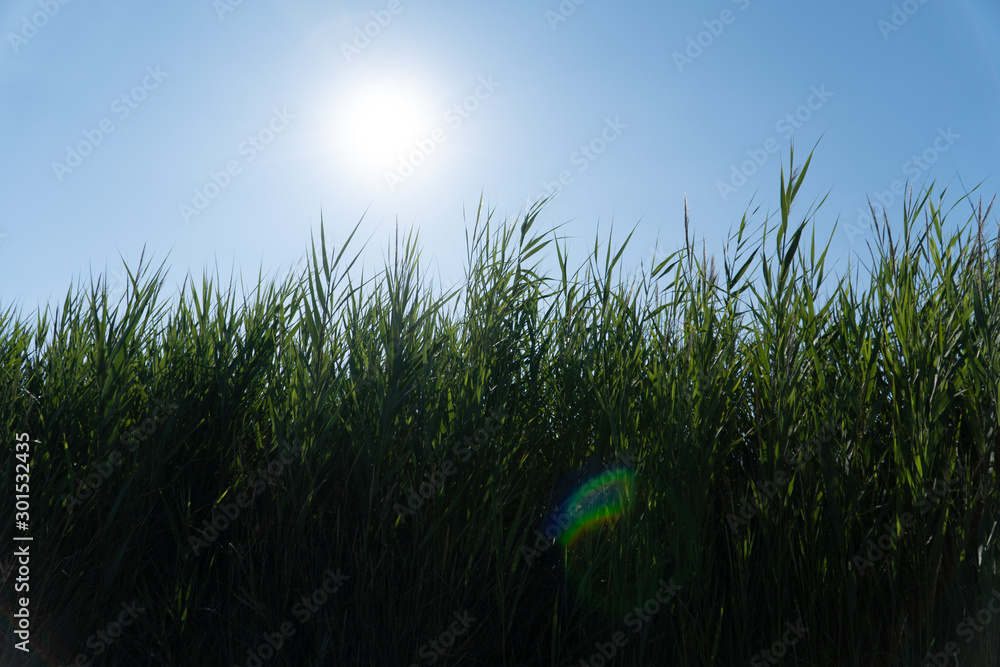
point(596, 502)
point(595, 540)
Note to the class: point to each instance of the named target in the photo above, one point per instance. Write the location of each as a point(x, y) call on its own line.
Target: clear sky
point(215, 132)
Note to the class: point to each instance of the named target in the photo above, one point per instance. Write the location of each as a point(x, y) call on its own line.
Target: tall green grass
point(782, 423)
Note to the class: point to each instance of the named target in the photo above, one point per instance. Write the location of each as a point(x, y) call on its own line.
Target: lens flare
point(598, 501)
point(594, 532)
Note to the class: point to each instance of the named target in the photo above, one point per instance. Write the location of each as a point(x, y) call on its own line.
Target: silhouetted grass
point(780, 426)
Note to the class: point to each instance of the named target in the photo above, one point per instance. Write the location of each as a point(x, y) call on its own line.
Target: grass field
point(784, 469)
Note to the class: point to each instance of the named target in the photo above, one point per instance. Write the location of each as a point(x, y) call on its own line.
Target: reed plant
point(801, 454)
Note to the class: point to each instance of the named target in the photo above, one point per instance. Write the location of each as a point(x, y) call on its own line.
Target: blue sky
point(214, 133)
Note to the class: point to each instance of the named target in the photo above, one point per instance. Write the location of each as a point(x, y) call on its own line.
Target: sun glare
point(380, 122)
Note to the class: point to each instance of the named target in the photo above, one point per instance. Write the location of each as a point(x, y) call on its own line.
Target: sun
point(380, 121)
